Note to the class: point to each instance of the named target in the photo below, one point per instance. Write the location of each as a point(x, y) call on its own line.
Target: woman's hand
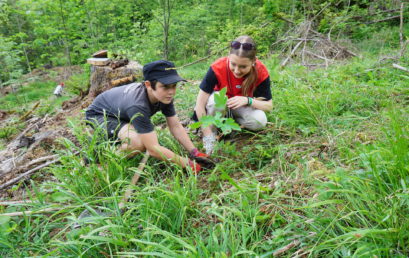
point(236, 102)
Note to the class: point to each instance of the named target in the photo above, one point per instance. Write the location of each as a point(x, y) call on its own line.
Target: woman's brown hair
point(251, 77)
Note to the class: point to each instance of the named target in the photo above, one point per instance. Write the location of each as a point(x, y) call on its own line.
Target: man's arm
point(180, 134)
point(150, 141)
point(177, 130)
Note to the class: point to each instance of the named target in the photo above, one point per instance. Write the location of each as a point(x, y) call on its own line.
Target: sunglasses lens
point(247, 46)
point(235, 44)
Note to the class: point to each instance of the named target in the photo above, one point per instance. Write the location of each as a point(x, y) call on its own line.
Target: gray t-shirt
point(131, 104)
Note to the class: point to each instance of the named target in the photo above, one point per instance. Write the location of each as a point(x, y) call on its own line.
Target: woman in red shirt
point(248, 89)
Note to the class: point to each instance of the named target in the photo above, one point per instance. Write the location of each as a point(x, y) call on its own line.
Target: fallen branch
point(403, 49)
point(30, 111)
point(320, 36)
point(15, 203)
point(403, 43)
point(281, 17)
point(22, 213)
point(40, 160)
point(402, 5)
point(300, 253)
point(373, 14)
point(383, 20)
point(26, 174)
point(318, 56)
point(26, 130)
point(400, 67)
point(199, 60)
point(286, 248)
point(284, 63)
point(333, 43)
point(134, 180)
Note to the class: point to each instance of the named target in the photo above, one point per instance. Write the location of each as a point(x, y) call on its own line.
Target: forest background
point(328, 177)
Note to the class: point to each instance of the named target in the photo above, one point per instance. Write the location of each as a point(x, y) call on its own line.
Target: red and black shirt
point(219, 76)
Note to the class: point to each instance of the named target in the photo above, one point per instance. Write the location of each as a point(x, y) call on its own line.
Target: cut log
point(102, 76)
point(98, 61)
point(119, 63)
point(123, 81)
point(101, 54)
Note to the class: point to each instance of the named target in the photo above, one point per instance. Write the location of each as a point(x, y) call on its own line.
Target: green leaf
point(218, 123)
point(195, 125)
point(60, 197)
point(4, 220)
point(207, 120)
point(220, 99)
point(231, 123)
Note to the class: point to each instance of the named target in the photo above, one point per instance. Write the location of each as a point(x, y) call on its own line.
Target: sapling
point(226, 125)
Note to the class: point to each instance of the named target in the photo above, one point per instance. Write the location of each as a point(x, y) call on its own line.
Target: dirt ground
point(25, 151)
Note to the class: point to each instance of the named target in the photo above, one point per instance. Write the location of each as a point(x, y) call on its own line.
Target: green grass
point(330, 173)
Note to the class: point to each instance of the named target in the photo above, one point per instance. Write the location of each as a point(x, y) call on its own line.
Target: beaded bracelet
point(249, 101)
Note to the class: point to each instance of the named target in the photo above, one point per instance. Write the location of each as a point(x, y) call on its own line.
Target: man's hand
point(201, 158)
point(196, 168)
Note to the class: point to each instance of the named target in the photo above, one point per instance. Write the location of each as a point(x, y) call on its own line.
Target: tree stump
point(102, 76)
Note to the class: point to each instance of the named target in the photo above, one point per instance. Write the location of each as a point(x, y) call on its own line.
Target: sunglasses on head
point(245, 46)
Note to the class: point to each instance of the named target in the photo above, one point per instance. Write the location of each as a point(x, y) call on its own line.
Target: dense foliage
point(44, 32)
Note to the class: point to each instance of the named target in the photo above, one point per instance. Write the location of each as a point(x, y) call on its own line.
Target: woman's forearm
point(262, 104)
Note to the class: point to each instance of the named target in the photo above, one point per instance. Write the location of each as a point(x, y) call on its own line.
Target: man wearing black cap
point(125, 113)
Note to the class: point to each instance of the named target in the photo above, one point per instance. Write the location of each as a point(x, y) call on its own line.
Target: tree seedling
point(226, 125)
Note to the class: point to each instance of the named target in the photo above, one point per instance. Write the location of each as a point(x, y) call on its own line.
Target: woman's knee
point(256, 121)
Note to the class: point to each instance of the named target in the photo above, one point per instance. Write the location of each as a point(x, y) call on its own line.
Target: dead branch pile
point(24, 151)
point(310, 47)
point(31, 150)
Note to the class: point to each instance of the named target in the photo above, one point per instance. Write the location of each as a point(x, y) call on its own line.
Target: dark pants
point(111, 125)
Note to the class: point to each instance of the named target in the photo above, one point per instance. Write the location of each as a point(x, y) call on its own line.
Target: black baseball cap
point(162, 71)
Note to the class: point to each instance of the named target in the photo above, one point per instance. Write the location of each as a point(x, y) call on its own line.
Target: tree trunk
point(102, 76)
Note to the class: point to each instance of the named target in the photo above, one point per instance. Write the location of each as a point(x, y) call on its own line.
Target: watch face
point(238, 86)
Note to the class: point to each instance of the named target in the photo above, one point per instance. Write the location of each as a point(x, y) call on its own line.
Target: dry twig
point(134, 180)
point(22, 213)
point(401, 25)
point(31, 171)
point(26, 174)
point(30, 111)
point(286, 248)
point(284, 63)
point(383, 20)
point(16, 203)
point(400, 67)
